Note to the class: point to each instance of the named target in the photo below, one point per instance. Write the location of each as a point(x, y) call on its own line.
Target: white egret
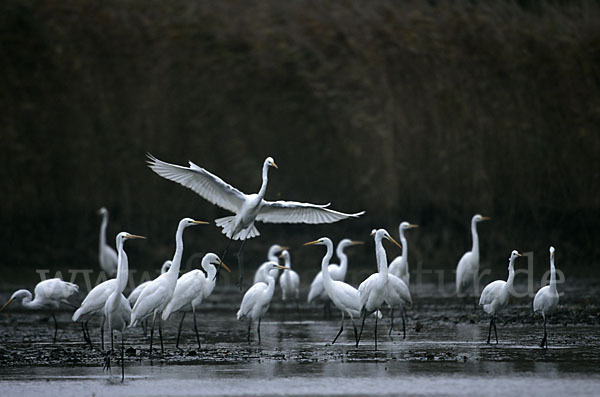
point(337, 272)
point(495, 295)
point(373, 290)
point(49, 294)
point(117, 310)
point(257, 299)
point(399, 266)
point(271, 257)
point(155, 297)
point(93, 305)
point(135, 294)
point(191, 289)
point(546, 299)
point(248, 208)
point(107, 256)
point(289, 281)
point(467, 270)
point(344, 296)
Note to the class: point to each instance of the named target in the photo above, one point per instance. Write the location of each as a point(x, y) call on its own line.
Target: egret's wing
point(250, 298)
point(295, 212)
point(207, 185)
point(491, 291)
point(189, 287)
point(55, 289)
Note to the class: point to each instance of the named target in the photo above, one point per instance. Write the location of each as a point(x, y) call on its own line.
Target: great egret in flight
point(337, 272)
point(107, 256)
point(373, 290)
point(49, 294)
point(495, 295)
point(191, 289)
point(467, 270)
point(546, 299)
point(257, 299)
point(399, 266)
point(117, 309)
point(274, 250)
point(344, 296)
point(248, 208)
point(289, 281)
point(155, 297)
point(135, 294)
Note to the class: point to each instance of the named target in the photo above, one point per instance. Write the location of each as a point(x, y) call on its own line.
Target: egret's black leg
point(112, 346)
point(145, 327)
point(55, 328)
point(545, 338)
point(403, 324)
point(376, 331)
point(341, 329)
point(162, 349)
point(122, 357)
point(87, 330)
point(179, 331)
point(490, 330)
point(495, 332)
point(86, 338)
point(355, 331)
point(364, 315)
point(152, 333)
point(258, 329)
point(240, 257)
point(249, 327)
point(391, 321)
point(196, 330)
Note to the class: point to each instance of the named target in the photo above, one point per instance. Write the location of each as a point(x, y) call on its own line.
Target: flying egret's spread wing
point(207, 185)
point(295, 212)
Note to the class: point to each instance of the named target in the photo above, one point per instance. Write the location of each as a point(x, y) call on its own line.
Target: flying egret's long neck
point(173, 271)
point(475, 249)
point(404, 246)
point(381, 256)
point(103, 225)
point(327, 281)
point(343, 259)
point(552, 275)
point(265, 180)
point(122, 267)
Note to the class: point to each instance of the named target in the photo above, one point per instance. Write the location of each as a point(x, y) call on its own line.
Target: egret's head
point(480, 218)
point(383, 234)
point(321, 241)
point(551, 252)
point(285, 255)
point(186, 222)
point(275, 249)
point(214, 260)
point(347, 242)
point(128, 236)
point(406, 225)
point(17, 296)
point(102, 211)
point(270, 162)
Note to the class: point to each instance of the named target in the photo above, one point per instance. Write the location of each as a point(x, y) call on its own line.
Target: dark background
point(413, 111)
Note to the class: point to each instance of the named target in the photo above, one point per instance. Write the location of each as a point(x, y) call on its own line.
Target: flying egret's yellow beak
point(354, 242)
point(485, 218)
point(393, 241)
point(225, 267)
point(412, 226)
point(6, 304)
point(136, 236)
point(312, 242)
point(200, 223)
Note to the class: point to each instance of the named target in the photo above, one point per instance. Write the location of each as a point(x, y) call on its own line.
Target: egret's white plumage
point(274, 250)
point(289, 280)
point(467, 269)
point(155, 297)
point(399, 266)
point(107, 256)
point(257, 299)
point(93, 305)
point(494, 297)
point(373, 290)
point(117, 310)
point(48, 295)
point(337, 272)
point(135, 294)
point(546, 299)
point(248, 208)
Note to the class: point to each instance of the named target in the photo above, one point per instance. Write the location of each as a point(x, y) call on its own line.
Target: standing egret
point(289, 281)
point(93, 305)
point(399, 266)
point(248, 208)
point(546, 299)
point(135, 294)
point(495, 295)
point(257, 299)
point(271, 257)
point(49, 294)
point(155, 297)
point(467, 270)
point(337, 272)
point(344, 296)
point(373, 290)
point(117, 309)
point(191, 289)
point(107, 256)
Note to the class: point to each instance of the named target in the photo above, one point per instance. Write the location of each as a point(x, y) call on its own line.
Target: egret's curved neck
point(288, 262)
point(272, 257)
point(343, 258)
point(404, 246)
point(122, 267)
point(327, 281)
point(28, 301)
point(381, 256)
point(552, 274)
point(173, 271)
point(475, 249)
point(211, 271)
point(103, 226)
point(265, 180)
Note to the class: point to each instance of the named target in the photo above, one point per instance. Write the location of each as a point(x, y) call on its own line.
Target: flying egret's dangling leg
point(341, 329)
point(179, 330)
point(495, 331)
point(258, 329)
point(391, 322)
point(196, 330)
point(545, 338)
point(162, 349)
point(222, 259)
point(122, 357)
point(364, 316)
point(240, 258)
